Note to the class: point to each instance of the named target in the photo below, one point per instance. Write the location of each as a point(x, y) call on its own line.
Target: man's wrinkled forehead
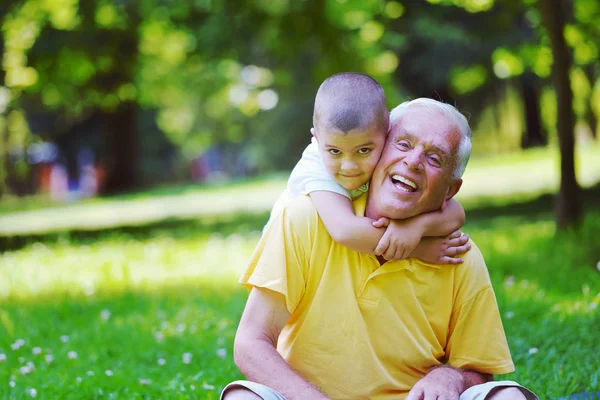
point(407, 126)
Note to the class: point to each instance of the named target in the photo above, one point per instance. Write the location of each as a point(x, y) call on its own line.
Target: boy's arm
point(346, 228)
point(440, 222)
point(401, 237)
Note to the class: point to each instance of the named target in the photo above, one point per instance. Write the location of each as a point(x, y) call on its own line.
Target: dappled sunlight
point(533, 172)
point(117, 266)
point(256, 198)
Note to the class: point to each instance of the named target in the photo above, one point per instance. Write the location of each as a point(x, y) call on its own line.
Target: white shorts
point(477, 392)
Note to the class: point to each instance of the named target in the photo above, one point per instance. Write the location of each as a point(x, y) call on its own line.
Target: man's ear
point(313, 132)
point(454, 188)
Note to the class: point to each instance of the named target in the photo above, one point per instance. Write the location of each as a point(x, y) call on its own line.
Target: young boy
point(350, 125)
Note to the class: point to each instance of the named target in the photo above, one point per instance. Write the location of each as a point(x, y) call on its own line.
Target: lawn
point(150, 311)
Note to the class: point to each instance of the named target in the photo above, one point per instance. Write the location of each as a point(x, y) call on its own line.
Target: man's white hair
point(464, 148)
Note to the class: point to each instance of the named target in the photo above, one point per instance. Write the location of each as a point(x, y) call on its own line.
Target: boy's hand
point(443, 250)
point(398, 241)
point(382, 222)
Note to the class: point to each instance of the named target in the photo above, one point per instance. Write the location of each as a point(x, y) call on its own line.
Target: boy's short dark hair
point(349, 101)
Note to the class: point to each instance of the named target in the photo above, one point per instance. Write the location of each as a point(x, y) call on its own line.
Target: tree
point(568, 208)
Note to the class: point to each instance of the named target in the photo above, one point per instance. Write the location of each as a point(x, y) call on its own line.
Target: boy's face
point(350, 157)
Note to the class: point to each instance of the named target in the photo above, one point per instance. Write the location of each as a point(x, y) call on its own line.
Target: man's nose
point(413, 160)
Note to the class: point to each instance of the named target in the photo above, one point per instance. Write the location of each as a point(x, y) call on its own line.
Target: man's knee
point(511, 393)
point(240, 393)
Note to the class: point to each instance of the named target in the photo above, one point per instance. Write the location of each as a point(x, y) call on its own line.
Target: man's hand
point(443, 250)
point(442, 383)
point(399, 240)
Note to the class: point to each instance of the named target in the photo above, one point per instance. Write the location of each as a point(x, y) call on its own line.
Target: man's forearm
point(469, 377)
point(260, 362)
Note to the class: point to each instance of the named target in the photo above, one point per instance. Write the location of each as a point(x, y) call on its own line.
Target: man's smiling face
point(414, 174)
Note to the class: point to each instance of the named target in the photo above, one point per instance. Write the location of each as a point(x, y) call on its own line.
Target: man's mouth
point(404, 184)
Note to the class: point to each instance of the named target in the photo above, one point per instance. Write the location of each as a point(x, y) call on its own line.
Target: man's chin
point(400, 210)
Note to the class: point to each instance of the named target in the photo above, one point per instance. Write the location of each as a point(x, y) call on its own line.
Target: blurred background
point(143, 142)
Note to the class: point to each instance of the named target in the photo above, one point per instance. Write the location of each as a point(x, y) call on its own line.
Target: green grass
point(157, 304)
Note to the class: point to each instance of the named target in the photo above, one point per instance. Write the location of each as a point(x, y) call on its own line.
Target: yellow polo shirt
point(361, 330)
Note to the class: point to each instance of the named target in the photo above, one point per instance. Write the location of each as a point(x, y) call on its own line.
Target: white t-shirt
point(309, 175)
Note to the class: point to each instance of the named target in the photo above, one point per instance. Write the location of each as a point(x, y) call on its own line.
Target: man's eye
point(364, 151)
point(403, 145)
point(434, 160)
point(334, 152)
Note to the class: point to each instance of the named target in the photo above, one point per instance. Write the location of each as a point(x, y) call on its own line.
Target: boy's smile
point(350, 157)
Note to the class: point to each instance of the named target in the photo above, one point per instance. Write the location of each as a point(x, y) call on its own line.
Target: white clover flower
point(105, 315)
point(64, 338)
point(25, 370)
point(12, 384)
point(30, 365)
point(144, 381)
point(20, 342)
point(15, 346)
point(159, 336)
point(182, 388)
point(192, 387)
point(161, 361)
point(21, 359)
point(222, 353)
point(72, 355)
point(2, 357)
point(187, 358)
point(533, 350)
point(164, 325)
point(36, 351)
point(78, 379)
point(32, 392)
point(108, 372)
point(90, 373)
point(49, 358)
point(206, 386)
point(180, 328)
point(509, 315)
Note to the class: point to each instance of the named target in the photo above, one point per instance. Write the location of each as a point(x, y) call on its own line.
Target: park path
point(113, 213)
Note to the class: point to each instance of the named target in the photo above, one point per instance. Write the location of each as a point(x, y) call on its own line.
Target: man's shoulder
point(474, 256)
point(301, 213)
point(473, 274)
point(300, 207)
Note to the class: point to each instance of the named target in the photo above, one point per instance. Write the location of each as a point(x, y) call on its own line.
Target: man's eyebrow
point(437, 149)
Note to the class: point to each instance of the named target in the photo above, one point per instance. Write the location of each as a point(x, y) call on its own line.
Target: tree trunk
point(590, 116)
point(568, 208)
point(533, 136)
point(123, 150)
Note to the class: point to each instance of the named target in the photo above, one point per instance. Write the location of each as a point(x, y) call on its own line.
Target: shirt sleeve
point(476, 336)
point(280, 261)
point(310, 175)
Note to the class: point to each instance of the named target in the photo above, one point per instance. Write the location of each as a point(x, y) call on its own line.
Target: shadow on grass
point(542, 205)
point(240, 223)
point(248, 222)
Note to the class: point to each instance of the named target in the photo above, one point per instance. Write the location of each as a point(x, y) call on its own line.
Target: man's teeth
point(405, 181)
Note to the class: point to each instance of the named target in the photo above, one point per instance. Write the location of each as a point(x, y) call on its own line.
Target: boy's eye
point(364, 151)
point(334, 152)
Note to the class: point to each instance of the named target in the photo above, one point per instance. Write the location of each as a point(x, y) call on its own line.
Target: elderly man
point(323, 321)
